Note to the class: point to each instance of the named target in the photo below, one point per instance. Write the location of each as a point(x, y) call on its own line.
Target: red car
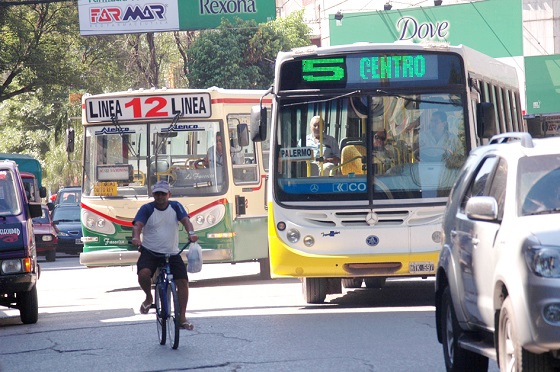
point(45, 235)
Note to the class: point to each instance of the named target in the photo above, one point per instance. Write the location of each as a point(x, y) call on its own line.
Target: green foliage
point(45, 66)
point(242, 55)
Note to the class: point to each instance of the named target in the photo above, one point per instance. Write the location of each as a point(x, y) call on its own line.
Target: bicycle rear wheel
point(174, 315)
point(161, 313)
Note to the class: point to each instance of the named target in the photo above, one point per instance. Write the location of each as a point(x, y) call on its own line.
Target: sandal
point(188, 326)
point(144, 309)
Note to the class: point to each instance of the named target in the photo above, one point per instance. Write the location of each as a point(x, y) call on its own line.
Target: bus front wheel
point(264, 264)
point(314, 290)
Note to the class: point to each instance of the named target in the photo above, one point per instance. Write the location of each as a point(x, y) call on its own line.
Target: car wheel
point(456, 358)
point(352, 282)
point(28, 305)
point(314, 290)
point(51, 256)
point(512, 357)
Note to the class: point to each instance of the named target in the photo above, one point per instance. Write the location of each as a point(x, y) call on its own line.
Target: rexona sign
point(98, 17)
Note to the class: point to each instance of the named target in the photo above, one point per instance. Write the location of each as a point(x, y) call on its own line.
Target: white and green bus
point(376, 213)
point(133, 139)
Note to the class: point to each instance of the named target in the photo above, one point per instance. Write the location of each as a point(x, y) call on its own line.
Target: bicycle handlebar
point(163, 254)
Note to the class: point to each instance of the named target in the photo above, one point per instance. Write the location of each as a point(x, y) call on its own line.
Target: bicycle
point(167, 304)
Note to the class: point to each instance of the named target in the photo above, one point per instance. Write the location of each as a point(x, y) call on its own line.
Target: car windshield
point(68, 214)
point(9, 204)
point(69, 196)
point(44, 218)
point(538, 178)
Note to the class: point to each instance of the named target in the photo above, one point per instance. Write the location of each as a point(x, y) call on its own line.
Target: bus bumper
point(109, 258)
point(128, 258)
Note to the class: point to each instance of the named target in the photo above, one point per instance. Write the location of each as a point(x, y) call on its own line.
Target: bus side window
point(244, 164)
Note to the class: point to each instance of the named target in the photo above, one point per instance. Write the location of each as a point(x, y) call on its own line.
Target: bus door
point(246, 160)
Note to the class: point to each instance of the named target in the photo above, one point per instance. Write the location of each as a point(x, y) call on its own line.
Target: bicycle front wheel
point(161, 313)
point(174, 315)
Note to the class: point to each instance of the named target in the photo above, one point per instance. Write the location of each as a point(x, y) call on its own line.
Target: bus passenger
point(157, 221)
point(331, 151)
point(381, 153)
point(215, 154)
point(438, 134)
point(437, 143)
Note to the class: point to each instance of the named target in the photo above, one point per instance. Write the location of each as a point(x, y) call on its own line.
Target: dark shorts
point(151, 261)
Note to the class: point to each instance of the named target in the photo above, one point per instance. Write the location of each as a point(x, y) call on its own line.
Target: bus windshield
point(369, 146)
point(124, 160)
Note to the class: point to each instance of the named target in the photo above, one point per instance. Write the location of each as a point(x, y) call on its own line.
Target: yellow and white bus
point(376, 212)
point(199, 141)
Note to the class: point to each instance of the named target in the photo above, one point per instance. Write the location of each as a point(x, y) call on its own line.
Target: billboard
point(543, 88)
point(137, 16)
point(493, 27)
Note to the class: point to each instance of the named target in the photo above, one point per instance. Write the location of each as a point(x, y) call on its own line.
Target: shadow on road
point(402, 293)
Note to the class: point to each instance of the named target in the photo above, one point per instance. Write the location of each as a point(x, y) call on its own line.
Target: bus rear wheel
point(352, 282)
point(314, 290)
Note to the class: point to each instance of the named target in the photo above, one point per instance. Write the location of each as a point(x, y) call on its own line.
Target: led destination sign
point(369, 68)
point(372, 69)
point(144, 107)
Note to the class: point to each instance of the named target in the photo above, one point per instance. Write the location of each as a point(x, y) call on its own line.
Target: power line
point(33, 2)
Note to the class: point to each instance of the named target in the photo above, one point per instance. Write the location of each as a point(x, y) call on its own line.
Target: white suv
point(498, 277)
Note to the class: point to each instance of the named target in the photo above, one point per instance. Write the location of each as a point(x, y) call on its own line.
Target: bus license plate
point(421, 267)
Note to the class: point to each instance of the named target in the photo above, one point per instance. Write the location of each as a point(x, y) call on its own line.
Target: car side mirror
point(484, 208)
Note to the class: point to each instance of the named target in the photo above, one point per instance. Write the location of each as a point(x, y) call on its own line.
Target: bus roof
point(475, 61)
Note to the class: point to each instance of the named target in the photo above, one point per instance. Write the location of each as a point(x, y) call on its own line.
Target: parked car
point(46, 240)
point(66, 220)
point(68, 195)
point(498, 276)
point(19, 270)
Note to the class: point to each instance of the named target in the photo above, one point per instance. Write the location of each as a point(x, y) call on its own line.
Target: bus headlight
point(96, 223)
point(308, 240)
point(209, 217)
point(293, 236)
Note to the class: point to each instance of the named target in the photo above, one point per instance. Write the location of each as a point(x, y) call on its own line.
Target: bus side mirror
point(70, 140)
point(243, 135)
point(42, 192)
point(486, 120)
point(258, 123)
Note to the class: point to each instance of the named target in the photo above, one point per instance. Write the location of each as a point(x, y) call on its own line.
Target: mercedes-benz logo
point(314, 187)
point(372, 218)
point(372, 240)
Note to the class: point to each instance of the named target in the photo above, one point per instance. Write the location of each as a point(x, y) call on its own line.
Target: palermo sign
point(135, 16)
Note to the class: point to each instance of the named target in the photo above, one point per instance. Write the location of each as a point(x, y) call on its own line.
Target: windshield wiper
point(382, 92)
point(546, 211)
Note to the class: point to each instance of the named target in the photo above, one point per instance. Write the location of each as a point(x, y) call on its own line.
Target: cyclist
point(157, 221)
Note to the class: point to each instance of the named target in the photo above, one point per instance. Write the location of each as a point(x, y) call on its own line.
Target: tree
point(34, 48)
point(242, 55)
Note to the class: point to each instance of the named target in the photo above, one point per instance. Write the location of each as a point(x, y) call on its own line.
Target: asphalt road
point(89, 321)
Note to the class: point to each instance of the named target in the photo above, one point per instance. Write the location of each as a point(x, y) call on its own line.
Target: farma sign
point(102, 17)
